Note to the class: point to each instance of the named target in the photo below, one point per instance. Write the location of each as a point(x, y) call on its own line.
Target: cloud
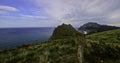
point(8, 8)
point(3, 12)
point(114, 17)
point(77, 11)
point(25, 17)
point(33, 16)
point(54, 12)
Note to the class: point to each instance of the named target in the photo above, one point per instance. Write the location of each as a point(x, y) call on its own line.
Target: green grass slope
point(103, 47)
point(112, 36)
point(55, 51)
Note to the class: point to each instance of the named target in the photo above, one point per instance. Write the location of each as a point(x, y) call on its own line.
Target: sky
point(51, 13)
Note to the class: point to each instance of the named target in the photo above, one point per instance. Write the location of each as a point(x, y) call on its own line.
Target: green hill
point(61, 48)
point(64, 31)
point(66, 45)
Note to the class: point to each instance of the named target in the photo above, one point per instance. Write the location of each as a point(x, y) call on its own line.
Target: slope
point(55, 51)
point(112, 36)
point(103, 47)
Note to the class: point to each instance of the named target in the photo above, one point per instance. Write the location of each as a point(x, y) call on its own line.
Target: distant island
point(67, 45)
point(92, 27)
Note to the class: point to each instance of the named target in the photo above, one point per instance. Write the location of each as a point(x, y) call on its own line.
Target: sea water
point(14, 37)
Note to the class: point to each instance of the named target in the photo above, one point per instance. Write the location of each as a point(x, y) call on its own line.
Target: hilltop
point(92, 27)
point(64, 31)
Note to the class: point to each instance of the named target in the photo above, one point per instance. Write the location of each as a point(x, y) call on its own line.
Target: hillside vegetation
point(103, 47)
point(64, 31)
point(56, 51)
point(66, 45)
point(112, 36)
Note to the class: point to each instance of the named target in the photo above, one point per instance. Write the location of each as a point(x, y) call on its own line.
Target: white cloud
point(75, 12)
point(33, 17)
point(3, 12)
point(70, 11)
point(24, 17)
point(115, 15)
point(8, 8)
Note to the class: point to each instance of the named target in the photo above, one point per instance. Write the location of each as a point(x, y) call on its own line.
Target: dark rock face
point(92, 27)
point(64, 31)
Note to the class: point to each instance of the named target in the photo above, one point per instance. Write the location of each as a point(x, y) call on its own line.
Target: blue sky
point(50, 13)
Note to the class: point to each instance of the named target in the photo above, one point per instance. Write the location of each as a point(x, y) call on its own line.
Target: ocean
point(15, 37)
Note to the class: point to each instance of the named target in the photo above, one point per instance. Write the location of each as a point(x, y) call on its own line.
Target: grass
point(112, 36)
point(56, 51)
point(103, 47)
